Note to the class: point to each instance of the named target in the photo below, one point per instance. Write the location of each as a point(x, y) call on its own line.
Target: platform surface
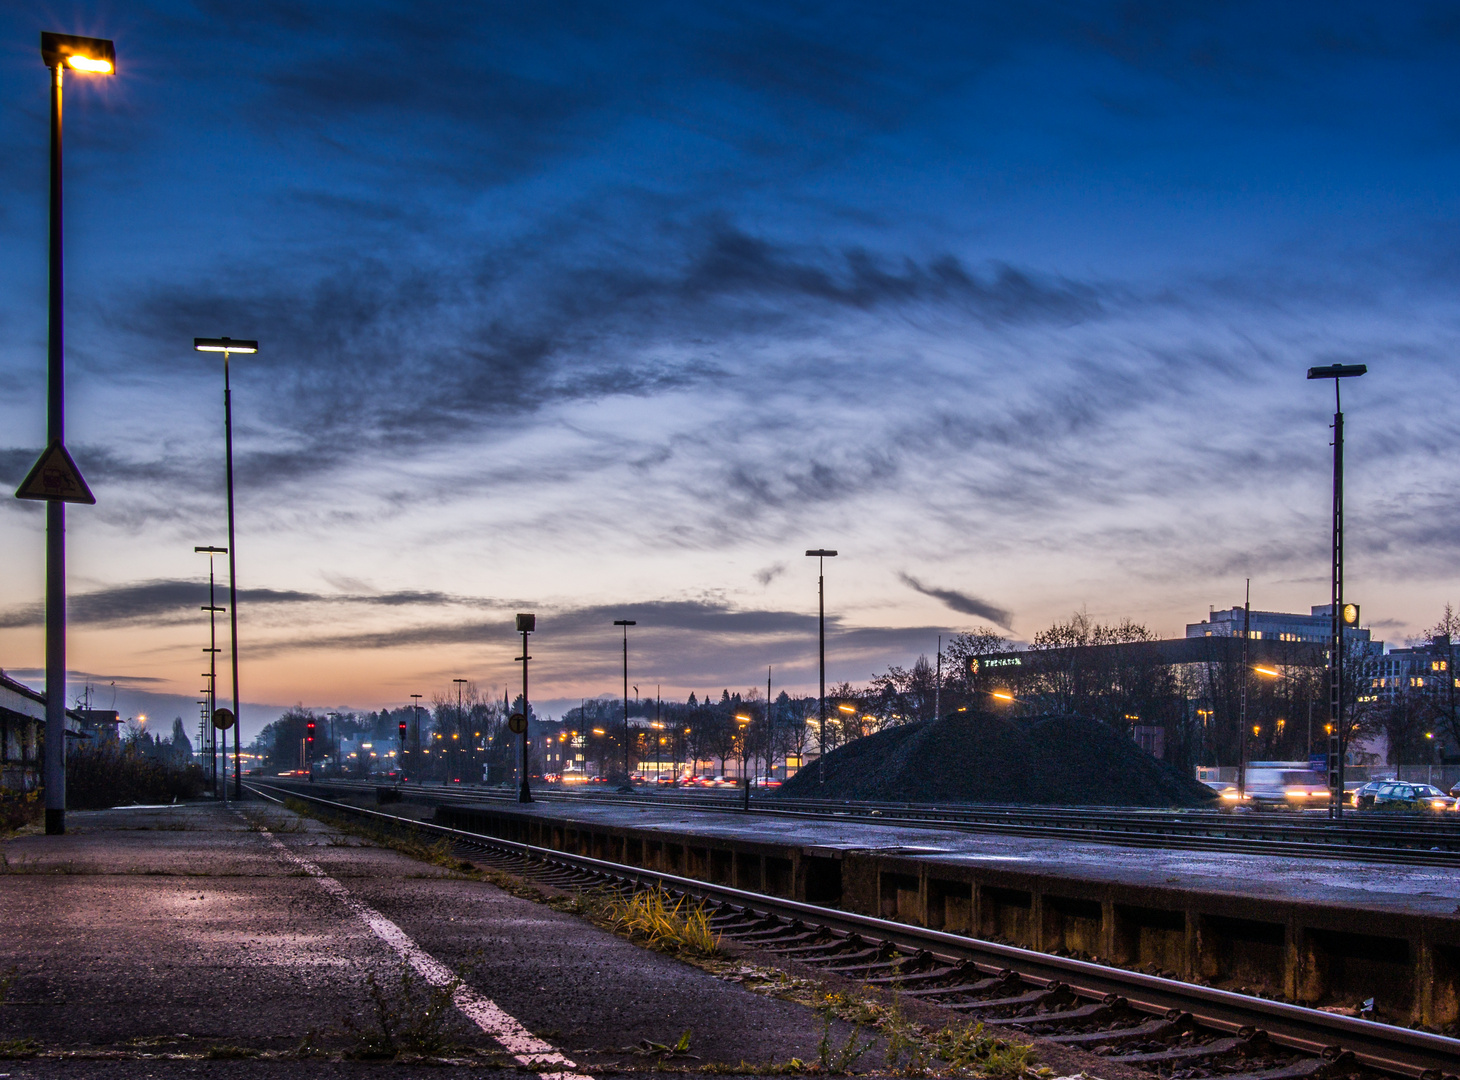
point(1351, 883)
point(186, 931)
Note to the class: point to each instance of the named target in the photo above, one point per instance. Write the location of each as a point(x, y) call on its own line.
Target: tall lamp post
point(526, 624)
point(626, 623)
point(54, 477)
point(228, 346)
point(1336, 738)
point(821, 555)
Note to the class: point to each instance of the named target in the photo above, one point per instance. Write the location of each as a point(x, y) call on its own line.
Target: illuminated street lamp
point(1339, 611)
point(228, 346)
point(821, 555)
point(526, 624)
point(55, 478)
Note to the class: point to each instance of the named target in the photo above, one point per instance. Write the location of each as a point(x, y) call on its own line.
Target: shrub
point(101, 776)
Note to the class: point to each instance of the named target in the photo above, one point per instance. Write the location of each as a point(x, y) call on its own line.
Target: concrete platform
point(169, 941)
point(1297, 928)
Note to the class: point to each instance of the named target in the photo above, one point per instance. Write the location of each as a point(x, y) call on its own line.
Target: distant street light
point(821, 555)
point(626, 623)
point(742, 724)
point(55, 477)
point(1335, 661)
point(228, 346)
point(416, 740)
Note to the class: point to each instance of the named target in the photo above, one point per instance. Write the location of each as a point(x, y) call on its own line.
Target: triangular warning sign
point(55, 478)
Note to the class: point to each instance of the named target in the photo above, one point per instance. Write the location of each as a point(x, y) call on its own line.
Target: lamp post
point(742, 722)
point(526, 624)
point(626, 623)
point(55, 478)
point(1336, 739)
point(228, 346)
point(821, 555)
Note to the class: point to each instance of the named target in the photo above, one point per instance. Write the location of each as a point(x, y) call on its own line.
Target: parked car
point(1363, 796)
point(1400, 795)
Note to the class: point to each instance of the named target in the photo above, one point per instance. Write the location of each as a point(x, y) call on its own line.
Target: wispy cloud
point(962, 602)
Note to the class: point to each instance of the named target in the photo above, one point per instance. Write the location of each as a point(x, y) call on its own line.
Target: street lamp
point(742, 724)
point(821, 555)
point(416, 740)
point(55, 478)
point(1335, 660)
point(228, 346)
point(526, 624)
point(451, 760)
point(626, 623)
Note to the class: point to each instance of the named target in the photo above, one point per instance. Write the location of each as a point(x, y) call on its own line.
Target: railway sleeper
point(1240, 1045)
point(1310, 1068)
point(1175, 1022)
point(1096, 1012)
point(1001, 981)
point(1053, 994)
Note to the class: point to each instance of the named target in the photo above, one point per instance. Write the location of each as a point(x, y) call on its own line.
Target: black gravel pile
point(980, 757)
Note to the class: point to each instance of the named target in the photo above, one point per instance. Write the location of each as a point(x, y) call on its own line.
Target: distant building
point(1421, 670)
point(23, 734)
point(1314, 629)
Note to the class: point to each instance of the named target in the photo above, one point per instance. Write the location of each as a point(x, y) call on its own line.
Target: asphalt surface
point(184, 941)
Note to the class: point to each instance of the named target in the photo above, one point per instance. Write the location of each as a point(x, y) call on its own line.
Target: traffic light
point(309, 739)
point(402, 732)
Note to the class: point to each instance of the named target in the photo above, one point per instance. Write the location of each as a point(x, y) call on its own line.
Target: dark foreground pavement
point(199, 940)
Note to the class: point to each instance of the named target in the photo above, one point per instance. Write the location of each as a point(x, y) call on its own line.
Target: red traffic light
point(309, 727)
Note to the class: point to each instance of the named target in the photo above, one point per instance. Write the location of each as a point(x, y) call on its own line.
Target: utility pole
point(821, 555)
point(1336, 738)
point(1242, 707)
point(770, 728)
point(526, 624)
point(626, 623)
point(416, 740)
point(460, 725)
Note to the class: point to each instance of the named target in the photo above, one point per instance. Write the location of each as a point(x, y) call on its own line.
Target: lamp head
point(1338, 371)
point(526, 624)
point(624, 622)
point(821, 553)
point(94, 56)
point(224, 345)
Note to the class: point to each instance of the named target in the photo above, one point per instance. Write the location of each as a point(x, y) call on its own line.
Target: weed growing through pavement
point(19, 1048)
point(412, 1016)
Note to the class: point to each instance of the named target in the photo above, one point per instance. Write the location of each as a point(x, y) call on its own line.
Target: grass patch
point(19, 1048)
point(653, 918)
point(225, 1052)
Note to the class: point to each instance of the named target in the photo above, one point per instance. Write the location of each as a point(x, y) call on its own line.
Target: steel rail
point(1389, 1048)
point(1161, 836)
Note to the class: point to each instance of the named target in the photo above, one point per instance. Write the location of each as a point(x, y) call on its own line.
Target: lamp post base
point(55, 822)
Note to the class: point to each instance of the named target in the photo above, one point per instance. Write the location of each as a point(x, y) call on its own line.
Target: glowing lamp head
point(92, 56)
point(1271, 673)
point(1350, 614)
point(1002, 695)
point(225, 345)
point(846, 708)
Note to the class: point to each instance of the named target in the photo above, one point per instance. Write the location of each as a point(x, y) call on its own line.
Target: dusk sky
point(611, 311)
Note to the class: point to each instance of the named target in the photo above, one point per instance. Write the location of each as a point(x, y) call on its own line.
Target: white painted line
point(525, 1047)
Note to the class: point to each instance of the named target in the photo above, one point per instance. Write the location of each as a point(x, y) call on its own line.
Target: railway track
point(1175, 1030)
point(1408, 842)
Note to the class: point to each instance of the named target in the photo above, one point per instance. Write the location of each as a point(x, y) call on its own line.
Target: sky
point(611, 311)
